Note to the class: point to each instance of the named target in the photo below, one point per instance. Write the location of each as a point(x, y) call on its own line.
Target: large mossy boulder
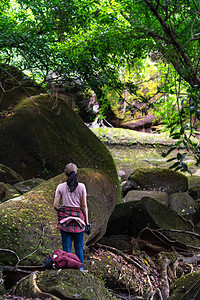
point(149, 213)
point(186, 287)
point(67, 284)
point(44, 134)
point(28, 222)
point(15, 85)
point(157, 179)
point(155, 222)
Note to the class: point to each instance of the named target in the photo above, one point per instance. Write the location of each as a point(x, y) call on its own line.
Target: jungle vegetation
point(96, 44)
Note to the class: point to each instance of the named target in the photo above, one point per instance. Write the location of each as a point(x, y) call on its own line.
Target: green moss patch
point(73, 284)
point(186, 287)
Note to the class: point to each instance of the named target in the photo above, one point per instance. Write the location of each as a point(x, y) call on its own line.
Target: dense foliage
point(90, 43)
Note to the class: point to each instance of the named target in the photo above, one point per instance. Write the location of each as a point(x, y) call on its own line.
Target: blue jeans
point(67, 238)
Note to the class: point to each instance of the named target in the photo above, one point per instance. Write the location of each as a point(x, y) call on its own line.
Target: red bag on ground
point(65, 260)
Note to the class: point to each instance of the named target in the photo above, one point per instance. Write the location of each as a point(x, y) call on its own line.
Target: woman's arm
point(85, 209)
point(56, 203)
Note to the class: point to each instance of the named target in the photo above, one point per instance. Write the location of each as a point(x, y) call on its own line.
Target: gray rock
point(27, 185)
point(121, 242)
point(182, 203)
point(7, 191)
point(138, 195)
point(7, 175)
point(149, 213)
point(132, 218)
point(193, 180)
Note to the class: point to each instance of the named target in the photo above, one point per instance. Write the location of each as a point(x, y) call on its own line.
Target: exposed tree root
point(34, 290)
point(164, 262)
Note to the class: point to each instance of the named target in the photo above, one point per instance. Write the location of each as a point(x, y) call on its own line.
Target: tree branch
point(193, 78)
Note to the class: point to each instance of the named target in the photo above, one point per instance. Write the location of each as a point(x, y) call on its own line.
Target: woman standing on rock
point(73, 214)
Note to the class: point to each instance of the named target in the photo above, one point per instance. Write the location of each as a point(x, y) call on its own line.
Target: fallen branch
point(126, 257)
point(189, 260)
point(11, 251)
point(156, 292)
point(164, 262)
point(180, 231)
point(40, 243)
point(171, 243)
point(142, 243)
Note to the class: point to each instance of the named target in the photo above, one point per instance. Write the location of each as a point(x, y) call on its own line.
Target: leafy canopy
point(89, 41)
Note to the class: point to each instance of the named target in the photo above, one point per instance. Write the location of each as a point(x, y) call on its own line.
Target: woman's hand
point(85, 209)
point(56, 203)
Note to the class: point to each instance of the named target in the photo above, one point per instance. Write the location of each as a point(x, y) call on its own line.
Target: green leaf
point(179, 156)
point(171, 159)
point(174, 165)
point(178, 168)
point(170, 150)
point(184, 166)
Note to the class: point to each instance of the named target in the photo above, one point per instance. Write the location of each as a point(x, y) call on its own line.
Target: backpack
point(48, 263)
point(62, 259)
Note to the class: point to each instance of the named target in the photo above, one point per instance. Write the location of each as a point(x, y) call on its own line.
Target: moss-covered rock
point(15, 86)
point(194, 191)
point(132, 150)
point(138, 195)
point(157, 179)
point(29, 221)
point(44, 134)
point(186, 287)
point(7, 175)
point(132, 218)
point(152, 214)
point(67, 284)
point(7, 191)
point(126, 137)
